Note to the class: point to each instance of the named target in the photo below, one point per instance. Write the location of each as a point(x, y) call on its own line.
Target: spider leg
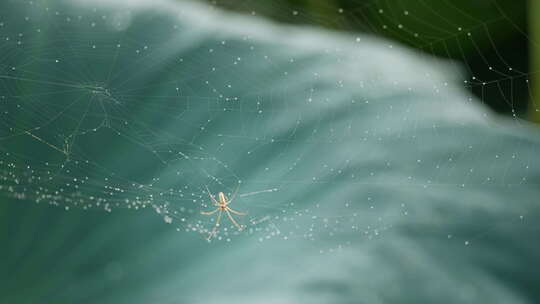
point(211, 196)
point(209, 212)
point(234, 195)
point(232, 220)
point(213, 233)
point(237, 212)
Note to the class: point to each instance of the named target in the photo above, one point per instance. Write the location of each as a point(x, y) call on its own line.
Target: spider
point(222, 206)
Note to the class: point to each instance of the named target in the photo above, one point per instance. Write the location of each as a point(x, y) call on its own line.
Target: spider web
point(97, 113)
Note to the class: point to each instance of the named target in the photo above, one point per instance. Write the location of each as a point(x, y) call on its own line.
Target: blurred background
point(117, 124)
point(490, 38)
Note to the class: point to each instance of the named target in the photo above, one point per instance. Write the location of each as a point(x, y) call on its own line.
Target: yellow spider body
point(222, 206)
